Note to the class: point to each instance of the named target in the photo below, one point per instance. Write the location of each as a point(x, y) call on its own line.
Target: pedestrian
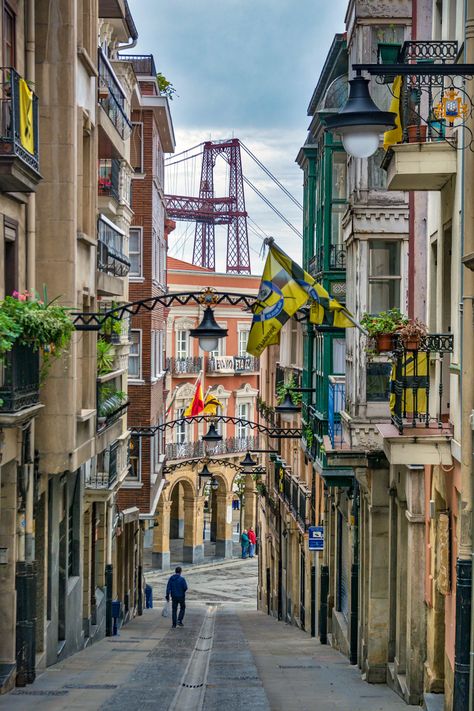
point(252, 542)
point(177, 587)
point(244, 542)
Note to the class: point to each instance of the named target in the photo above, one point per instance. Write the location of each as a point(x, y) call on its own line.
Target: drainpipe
point(30, 206)
point(464, 652)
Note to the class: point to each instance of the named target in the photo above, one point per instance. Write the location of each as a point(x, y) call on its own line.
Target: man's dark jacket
point(176, 587)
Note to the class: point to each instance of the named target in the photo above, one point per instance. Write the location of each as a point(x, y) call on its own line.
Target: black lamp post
point(247, 462)
point(287, 408)
point(205, 473)
point(212, 435)
point(214, 484)
point(208, 332)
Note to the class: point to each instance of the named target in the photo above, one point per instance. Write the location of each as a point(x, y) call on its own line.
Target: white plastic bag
point(166, 610)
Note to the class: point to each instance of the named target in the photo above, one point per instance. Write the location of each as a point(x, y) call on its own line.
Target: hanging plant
point(412, 333)
point(283, 388)
point(36, 323)
point(105, 357)
point(381, 328)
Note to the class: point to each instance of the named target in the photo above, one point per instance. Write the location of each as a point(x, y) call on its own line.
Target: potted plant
point(412, 333)
point(43, 326)
point(382, 326)
point(105, 357)
point(388, 52)
point(416, 129)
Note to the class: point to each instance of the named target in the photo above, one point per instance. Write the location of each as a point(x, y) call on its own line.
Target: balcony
point(295, 495)
point(230, 365)
point(196, 450)
point(336, 403)
point(420, 166)
point(107, 469)
point(112, 263)
point(19, 163)
point(184, 366)
point(112, 403)
point(143, 64)
point(19, 383)
point(115, 124)
point(109, 177)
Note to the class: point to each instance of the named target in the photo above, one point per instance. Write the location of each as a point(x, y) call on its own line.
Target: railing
point(182, 366)
point(112, 98)
point(233, 364)
point(336, 257)
point(195, 450)
point(105, 479)
point(313, 432)
point(336, 403)
point(142, 63)
point(19, 379)
point(110, 256)
point(296, 497)
point(414, 403)
point(109, 175)
point(12, 140)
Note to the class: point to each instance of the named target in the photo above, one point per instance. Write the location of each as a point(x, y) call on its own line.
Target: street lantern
point(212, 435)
point(204, 473)
point(287, 409)
point(214, 484)
point(247, 462)
point(360, 121)
point(208, 332)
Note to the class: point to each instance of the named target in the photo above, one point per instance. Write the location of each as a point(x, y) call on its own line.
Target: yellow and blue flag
point(394, 135)
point(26, 117)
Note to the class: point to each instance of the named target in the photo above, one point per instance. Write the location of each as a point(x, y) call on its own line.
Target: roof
point(335, 64)
point(179, 265)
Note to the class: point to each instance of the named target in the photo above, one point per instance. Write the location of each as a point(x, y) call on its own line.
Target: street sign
point(316, 538)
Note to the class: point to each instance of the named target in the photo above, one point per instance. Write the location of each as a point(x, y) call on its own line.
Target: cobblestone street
point(228, 655)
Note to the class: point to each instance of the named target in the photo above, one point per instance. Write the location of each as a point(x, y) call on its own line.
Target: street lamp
point(208, 332)
point(212, 435)
point(205, 473)
point(214, 484)
point(247, 462)
point(360, 122)
point(287, 408)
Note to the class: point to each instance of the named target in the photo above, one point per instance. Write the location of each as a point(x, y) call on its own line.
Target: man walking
point(177, 587)
point(252, 542)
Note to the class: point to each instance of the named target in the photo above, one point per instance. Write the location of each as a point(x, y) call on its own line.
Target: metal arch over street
point(93, 321)
point(197, 461)
point(274, 432)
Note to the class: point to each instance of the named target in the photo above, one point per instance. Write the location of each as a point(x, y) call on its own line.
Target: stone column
point(193, 548)
point(377, 578)
point(177, 513)
point(86, 583)
point(224, 544)
point(161, 536)
point(250, 501)
point(416, 610)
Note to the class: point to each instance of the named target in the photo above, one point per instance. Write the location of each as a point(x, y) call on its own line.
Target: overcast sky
point(243, 68)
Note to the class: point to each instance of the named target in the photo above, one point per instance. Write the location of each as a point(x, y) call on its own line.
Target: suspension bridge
point(206, 210)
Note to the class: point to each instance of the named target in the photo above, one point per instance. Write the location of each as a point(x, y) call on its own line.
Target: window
point(338, 356)
point(135, 250)
point(180, 429)
point(134, 450)
point(135, 355)
point(9, 22)
point(243, 410)
point(158, 258)
point(243, 340)
point(10, 261)
point(156, 450)
point(384, 275)
point(338, 195)
point(378, 382)
point(156, 353)
point(136, 148)
point(182, 344)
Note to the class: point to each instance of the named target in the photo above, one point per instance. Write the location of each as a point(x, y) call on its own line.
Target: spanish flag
point(196, 406)
point(211, 404)
point(395, 134)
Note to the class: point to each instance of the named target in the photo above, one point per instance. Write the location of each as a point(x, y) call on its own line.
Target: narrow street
point(228, 656)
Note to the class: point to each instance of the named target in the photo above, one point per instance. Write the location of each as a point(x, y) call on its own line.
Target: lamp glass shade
point(362, 142)
point(287, 408)
point(214, 484)
point(212, 435)
point(208, 332)
point(205, 473)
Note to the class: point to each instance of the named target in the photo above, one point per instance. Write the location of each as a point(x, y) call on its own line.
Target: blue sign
point(316, 538)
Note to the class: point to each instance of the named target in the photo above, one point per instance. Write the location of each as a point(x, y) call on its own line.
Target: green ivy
point(283, 388)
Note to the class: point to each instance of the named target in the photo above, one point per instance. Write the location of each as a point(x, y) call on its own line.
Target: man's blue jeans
point(251, 550)
point(175, 601)
point(245, 551)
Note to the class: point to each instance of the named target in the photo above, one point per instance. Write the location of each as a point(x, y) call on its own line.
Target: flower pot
point(388, 53)
point(384, 342)
point(416, 133)
point(412, 344)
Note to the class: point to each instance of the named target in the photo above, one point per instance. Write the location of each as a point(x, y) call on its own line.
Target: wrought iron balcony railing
point(195, 450)
point(105, 478)
point(143, 64)
point(417, 385)
point(335, 256)
point(112, 98)
point(109, 176)
point(183, 366)
point(18, 130)
point(296, 496)
point(19, 379)
point(336, 403)
point(110, 256)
